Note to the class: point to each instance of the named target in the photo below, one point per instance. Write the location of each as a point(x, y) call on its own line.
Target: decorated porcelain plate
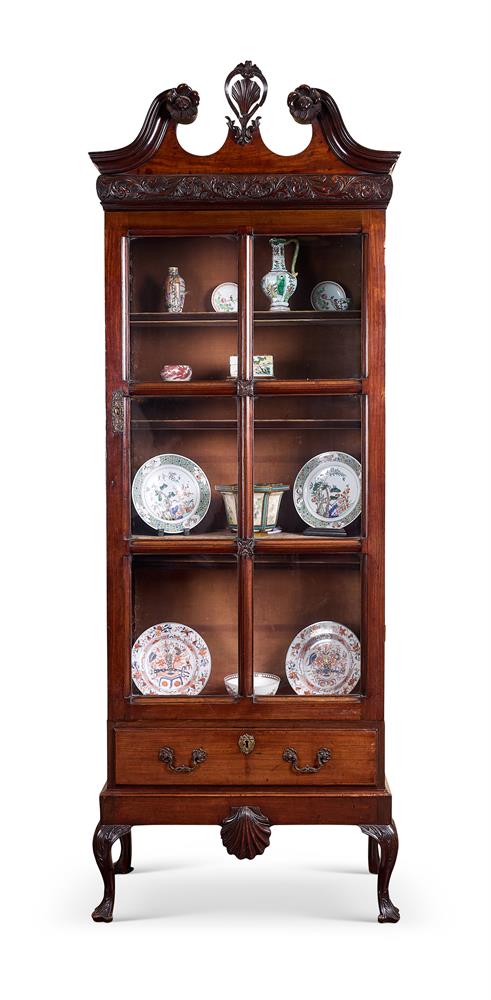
point(171, 493)
point(322, 294)
point(324, 658)
point(225, 297)
point(327, 490)
point(170, 659)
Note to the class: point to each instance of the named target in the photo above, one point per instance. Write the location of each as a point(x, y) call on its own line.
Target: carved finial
point(182, 103)
point(304, 104)
point(245, 97)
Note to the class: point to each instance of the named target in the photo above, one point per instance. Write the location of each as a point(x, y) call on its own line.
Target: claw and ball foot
point(385, 838)
point(104, 837)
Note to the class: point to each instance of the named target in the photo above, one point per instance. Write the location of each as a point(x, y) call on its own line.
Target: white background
point(301, 920)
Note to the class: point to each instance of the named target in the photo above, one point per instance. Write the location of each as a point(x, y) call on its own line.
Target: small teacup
point(339, 303)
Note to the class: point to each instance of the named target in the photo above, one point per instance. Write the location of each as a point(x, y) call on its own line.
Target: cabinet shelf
point(268, 387)
point(230, 425)
point(262, 317)
point(224, 542)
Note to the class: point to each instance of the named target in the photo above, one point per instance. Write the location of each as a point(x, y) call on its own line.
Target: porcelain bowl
point(264, 684)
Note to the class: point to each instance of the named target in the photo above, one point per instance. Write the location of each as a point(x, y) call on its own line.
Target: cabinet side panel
point(374, 463)
point(117, 430)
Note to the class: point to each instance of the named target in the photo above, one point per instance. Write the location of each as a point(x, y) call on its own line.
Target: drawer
point(150, 756)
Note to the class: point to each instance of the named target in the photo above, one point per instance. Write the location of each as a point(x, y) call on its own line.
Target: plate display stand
point(236, 603)
point(326, 532)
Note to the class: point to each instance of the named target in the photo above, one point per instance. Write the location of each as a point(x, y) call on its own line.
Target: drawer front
point(194, 756)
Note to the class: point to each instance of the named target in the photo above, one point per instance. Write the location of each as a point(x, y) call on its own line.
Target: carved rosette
point(245, 387)
point(245, 548)
point(304, 104)
point(182, 104)
point(246, 832)
point(154, 189)
point(245, 89)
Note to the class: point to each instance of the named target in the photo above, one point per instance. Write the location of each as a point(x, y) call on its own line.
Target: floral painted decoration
point(170, 659)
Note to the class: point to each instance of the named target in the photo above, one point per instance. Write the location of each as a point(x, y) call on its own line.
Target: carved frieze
point(149, 190)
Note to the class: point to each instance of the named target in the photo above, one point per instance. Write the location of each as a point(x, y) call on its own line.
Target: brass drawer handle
point(291, 757)
point(166, 755)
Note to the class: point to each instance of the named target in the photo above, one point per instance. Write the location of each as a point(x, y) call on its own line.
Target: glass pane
point(202, 335)
point(291, 435)
point(313, 331)
point(184, 624)
point(182, 448)
point(292, 594)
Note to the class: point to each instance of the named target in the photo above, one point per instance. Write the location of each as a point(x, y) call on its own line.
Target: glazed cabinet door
point(245, 469)
point(310, 568)
point(180, 455)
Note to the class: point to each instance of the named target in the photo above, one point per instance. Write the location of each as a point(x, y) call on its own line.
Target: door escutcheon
point(246, 743)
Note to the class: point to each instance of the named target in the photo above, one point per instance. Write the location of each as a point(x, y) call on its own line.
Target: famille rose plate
point(171, 493)
point(322, 294)
point(327, 490)
point(324, 658)
point(225, 297)
point(170, 659)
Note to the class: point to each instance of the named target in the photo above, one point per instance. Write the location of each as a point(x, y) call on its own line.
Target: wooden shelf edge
point(219, 699)
point(185, 545)
point(275, 544)
point(200, 387)
point(302, 544)
point(261, 316)
point(269, 387)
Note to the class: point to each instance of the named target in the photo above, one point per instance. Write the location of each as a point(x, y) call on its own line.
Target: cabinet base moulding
point(317, 805)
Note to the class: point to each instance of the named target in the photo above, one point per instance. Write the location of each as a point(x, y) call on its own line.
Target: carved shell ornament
point(246, 832)
point(245, 96)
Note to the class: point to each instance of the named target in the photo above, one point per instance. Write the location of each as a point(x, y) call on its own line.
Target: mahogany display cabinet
point(197, 598)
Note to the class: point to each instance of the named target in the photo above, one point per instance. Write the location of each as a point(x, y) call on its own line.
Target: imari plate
point(327, 490)
point(170, 659)
point(324, 658)
point(171, 493)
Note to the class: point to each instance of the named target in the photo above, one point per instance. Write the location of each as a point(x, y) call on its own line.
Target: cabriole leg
point(123, 865)
point(387, 840)
point(373, 856)
point(104, 837)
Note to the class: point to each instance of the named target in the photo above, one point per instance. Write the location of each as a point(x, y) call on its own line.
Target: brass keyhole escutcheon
point(246, 743)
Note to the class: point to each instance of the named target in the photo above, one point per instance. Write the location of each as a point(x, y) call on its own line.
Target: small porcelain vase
point(175, 290)
point(280, 284)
